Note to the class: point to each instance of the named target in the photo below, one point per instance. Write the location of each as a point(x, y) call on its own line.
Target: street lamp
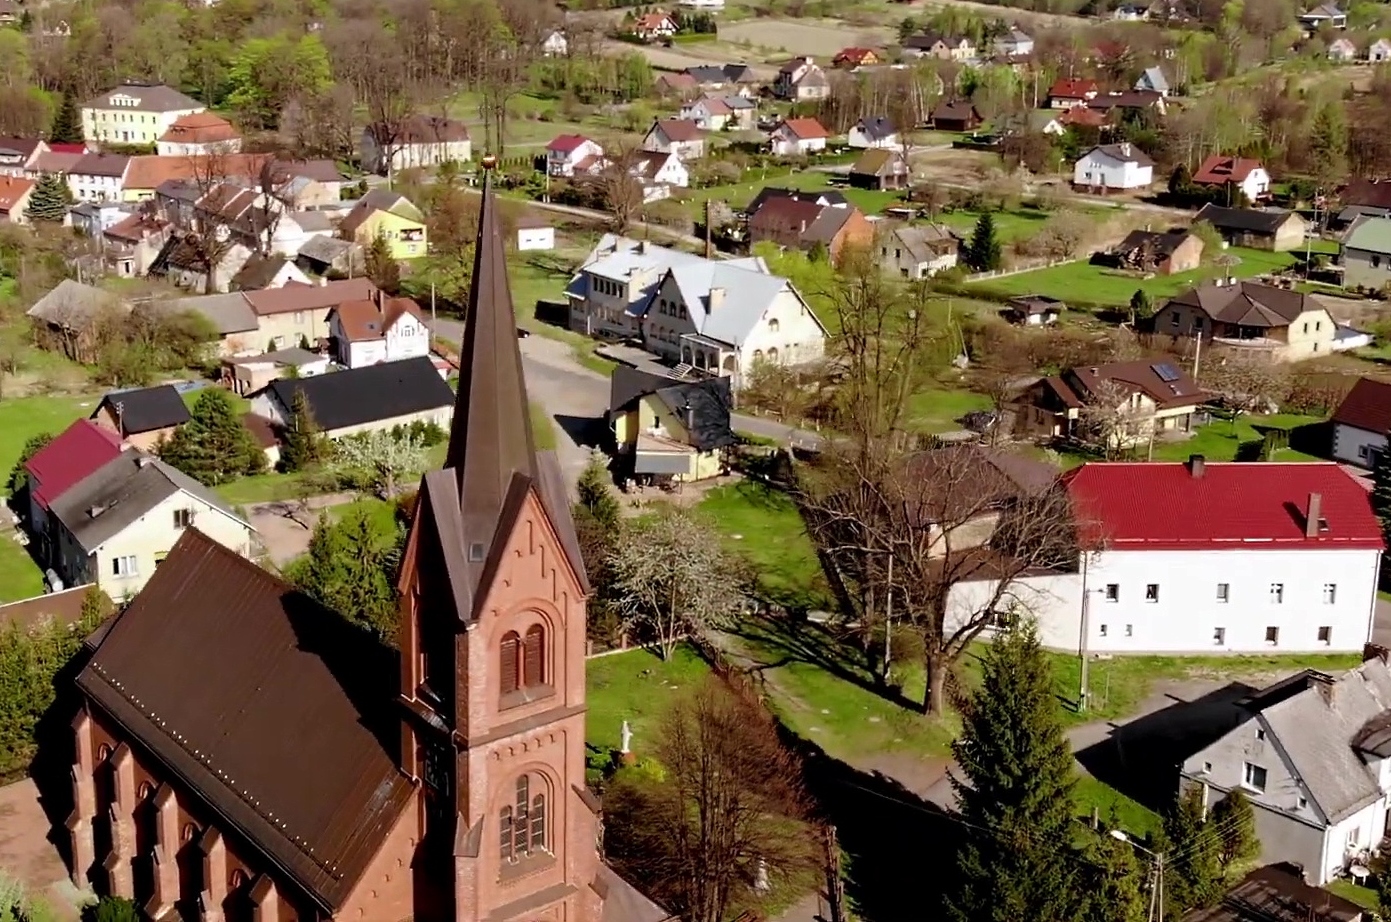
point(1156, 910)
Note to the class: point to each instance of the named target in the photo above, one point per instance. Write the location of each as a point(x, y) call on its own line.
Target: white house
point(1014, 44)
point(555, 45)
point(1113, 166)
point(797, 137)
point(1361, 422)
point(654, 168)
point(534, 233)
point(570, 153)
point(383, 329)
point(1246, 174)
point(199, 134)
point(721, 316)
point(1312, 753)
point(98, 177)
point(675, 136)
point(872, 132)
point(710, 113)
point(419, 141)
point(1342, 50)
point(701, 4)
point(1152, 80)
point(1379, 51)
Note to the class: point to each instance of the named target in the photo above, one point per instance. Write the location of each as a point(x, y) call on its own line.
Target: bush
point(112, 909)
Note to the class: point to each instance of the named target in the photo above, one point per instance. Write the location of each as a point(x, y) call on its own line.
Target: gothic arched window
point(522, 824)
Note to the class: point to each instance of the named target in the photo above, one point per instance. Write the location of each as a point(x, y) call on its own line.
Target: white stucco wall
point(1356, 446)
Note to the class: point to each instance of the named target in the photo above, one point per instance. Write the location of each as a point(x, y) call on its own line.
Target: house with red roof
point(1361, 423)
point(797, 137)
point(569, 154)
point(1203, 557)
point(855, 57)
point(1066, 93)
point(76, 452)
point(1235, 173)
point(654, 25)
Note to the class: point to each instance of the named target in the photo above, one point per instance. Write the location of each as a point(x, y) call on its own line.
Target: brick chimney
point(1312, 515)
point(1197, 466)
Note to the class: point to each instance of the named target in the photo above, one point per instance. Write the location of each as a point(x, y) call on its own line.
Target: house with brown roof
point(135, 113)
point(880, 169)
point(377, 329)
point(1259, 320)
point(187, 261)
point(804, 225)
point(795, 137)
point(916, 251)
point(941, 46)
point(1158, 252)
point(1067, 92)
point(1362, 422)
point(1258, 228)
point(14, 199)
point(801, 79)
point(676, 136)
point(1132, 401)
point(98, 177)
point(294, 313)
point(199, 134)
point(420, 141)
point(17, 155)
point(955, 115)
point(1243, 175)
point(654, 25)
point(716, 113)
point(1119, 102)
point(681, 84)
point(134, 243)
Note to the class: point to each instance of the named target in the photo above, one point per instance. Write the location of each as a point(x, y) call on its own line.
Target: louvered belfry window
point(533, 658)
point(509, 663)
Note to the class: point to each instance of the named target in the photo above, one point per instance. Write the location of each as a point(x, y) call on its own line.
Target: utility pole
point(1083, 662)
point(1197, 354)
point(432, 306)
point(709, 233)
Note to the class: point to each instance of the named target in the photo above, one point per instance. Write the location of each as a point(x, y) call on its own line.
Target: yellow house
point(135, 113)
point(117, 524)
point(1260, 320)
point(391, 216)
point(667, 428)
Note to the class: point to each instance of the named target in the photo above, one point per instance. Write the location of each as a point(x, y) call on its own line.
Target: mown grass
point(22, 418)
point(762, 525)
point(637, 686)
point(1223, 440)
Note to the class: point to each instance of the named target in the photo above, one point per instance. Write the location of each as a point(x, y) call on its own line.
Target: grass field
point(636, 686)
point(1010, 225)
point(740, 194)
point(762, 525)
point(1221, 440)
point(1081, 283)
point(22, 418)
point(938, 410)
point(20, 576)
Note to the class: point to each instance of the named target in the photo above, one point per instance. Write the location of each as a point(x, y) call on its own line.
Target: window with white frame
point(124, 566)
point(1330, 593)
point(1277, 593)
point(1253, 776)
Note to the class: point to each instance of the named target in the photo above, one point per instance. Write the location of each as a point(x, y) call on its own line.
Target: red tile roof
point(12, 192)
point(296, 297)
point(1073, 89)
point(853, 55)
point(1219, 170)
point(200, 128)
point(1230, 506)
point(78, 451)
point(806, 128)
point(1083, 117)
point(566, 143)
point(1367, 407)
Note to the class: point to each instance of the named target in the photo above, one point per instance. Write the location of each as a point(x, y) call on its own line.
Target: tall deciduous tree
point(213, 446)
point(671, 578)
point(302, 444)
point(67, 123)
point(1017, 859)
point(730, 801)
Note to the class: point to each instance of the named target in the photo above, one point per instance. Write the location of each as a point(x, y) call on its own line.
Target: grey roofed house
point(704, 405)
point(748, 293)
point(146, 97)
point(227, 313)
point(55, 161)
point(1260, 220)
point(926, 242)
point(1153, 79)
point(73, 304)
point(1124, 153)
point(105, 502)
point(716, 74)
point(313, 221)
point(876, 127)
point(371, 394)
point(1249, 304)
point(325, 251)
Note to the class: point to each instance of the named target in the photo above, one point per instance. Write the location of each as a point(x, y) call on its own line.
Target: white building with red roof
point(1210, 557)
point(569, 154)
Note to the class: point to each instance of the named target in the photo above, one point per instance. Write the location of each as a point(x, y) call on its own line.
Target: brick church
point(243, 754)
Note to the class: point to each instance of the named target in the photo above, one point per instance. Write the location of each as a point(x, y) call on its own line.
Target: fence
point(1029, 265)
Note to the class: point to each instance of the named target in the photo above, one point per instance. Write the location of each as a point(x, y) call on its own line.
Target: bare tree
point(1114, 419)
point(619, 187)
point(730, 808)
point(671, 579)
point(207, 238)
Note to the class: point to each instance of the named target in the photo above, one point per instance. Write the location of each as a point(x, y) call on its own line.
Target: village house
point(555, 44)
point(1159, 252)
point(1379, 51)
point(1066, 93)
point(298, 314)
point(1325, 15)
point(73, 454)
point(1234, 174)
point(1014, 43)
point(92, 219)
point(142, 417)
point(199, 134)
point(1113, 167)
point(1360, 196)
point(801, 79)
point(380, 329)
point(807, 226)
point(14, 199)
point(1033, 310)
point(955, 115)
point(69, 317)
point(187, 262)
point(274, 271)
point(388, 215)
point(872, 132)
point(658, 173)
point(569, 154)
point(669, 430)
point(1365, 254)
point(716, 113)
point(418, 141)
point(1361, 423)
point(1153, 80)
point(115, 526)
point(1117, 102)
point(1262, 320)
point(880, 169)
point(229, 316)
point(1342, 50)
point(654, 26)
point(675, 136)
point(247, 374)
point(1131, 402)
point(97, 177)
point(942, 47)
point(916, 251)
point(855, 57)
point(1258, 229)
point(387, 819)
point(1310, 753)
point(370, 398)
point(738, 78)
point(17, 155)
point(1080, 117)
point(819, 196)
point(797, 137)
point(135, 113)
point(719, 316)
point(536, 233)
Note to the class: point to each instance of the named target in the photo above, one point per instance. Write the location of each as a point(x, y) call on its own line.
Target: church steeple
point(490, 440)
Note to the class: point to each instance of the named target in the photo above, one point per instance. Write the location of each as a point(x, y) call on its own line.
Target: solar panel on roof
point(1166, 372)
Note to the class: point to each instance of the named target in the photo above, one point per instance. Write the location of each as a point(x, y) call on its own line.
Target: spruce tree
point(596, 499)
point(1235, 822)
point(213, 447)
point(302, 444)
point(1016, 859)
point(1381, 489)
point(351, 568)
point(983, 252)
point(67, 122)
point(50, 200)
point(1140, 306)
point(1113, 882)
point(382, 269)
point(1194, 871)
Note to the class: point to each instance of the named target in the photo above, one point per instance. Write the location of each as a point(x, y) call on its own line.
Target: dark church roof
point(275, 712)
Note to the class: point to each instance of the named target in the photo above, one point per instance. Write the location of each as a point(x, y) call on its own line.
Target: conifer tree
point(1016, 859)
point(596, 499)
point(1113, 882)
point(302, 444)
point(50, 199)
point(1235, 822)
point(1193, 875)
point(351, 568)
point(382, 269)
point(213, 446)
point(67, 122)
point(983, 252)
point(1381, 489)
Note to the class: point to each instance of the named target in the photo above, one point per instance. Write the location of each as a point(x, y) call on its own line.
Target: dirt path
point(27, 854)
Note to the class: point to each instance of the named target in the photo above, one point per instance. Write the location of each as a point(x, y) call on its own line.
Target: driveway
point(1381, 624)
point(27, 853)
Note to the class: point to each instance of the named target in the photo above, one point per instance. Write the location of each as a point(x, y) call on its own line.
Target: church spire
point(490, 439)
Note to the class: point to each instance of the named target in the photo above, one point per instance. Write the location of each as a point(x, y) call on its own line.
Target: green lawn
point(1365, 897)
point(1220, 440)
point(1082, 283)
point(763, 526)
point(1130, 815)
point(1010, 225)
point(22, 418)
point(543, 277)
point(20, 576)
point(937, 410)
point(740, 194)
point(636, 686)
